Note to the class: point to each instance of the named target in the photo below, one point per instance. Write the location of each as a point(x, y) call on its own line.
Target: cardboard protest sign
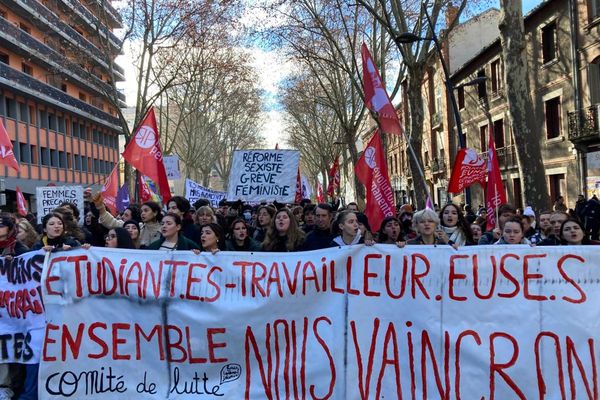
point(194, 192)
point(263, 175)
point(345, 323)
point(172, 167)
point(50, 197)
point(22, 320)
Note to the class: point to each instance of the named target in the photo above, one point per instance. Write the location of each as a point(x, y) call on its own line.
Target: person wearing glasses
point(118, 238)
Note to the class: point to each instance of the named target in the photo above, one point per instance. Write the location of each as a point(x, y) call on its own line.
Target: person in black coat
point(171, 236)
point(320, 237)
point(10, 246)
point(55, 237)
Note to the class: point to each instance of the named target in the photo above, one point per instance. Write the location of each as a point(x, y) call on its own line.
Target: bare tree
point(324, 38)
point(527, 143)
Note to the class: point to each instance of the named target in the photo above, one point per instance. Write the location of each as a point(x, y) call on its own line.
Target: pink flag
point(21, 203)
point(376, 97)
point(495, 195)
point(144, 153)
point(429, 204)
point(7, 156)
point(110, 190)
point(468, 169)
point(371, 170)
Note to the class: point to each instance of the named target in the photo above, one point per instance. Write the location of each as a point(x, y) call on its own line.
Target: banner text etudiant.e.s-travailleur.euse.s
point(344, 323)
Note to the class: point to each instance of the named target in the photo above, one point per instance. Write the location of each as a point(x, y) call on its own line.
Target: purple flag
point(122, 198)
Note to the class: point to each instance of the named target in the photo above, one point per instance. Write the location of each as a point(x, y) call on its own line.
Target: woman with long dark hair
point(284, 234)
point(212, 238)
point(151, 217)
point(118, 238)
point(240, 239)
point(172, 238)
point(55, 236)
point(456, 230)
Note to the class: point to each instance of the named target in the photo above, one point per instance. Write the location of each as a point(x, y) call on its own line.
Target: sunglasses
point(110, 236)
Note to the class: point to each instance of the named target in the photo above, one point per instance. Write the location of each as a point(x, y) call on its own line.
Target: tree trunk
point(415, 101)
point(359, 189)
point(527, 138)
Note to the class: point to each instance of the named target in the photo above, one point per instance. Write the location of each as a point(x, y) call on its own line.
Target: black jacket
point(183, 243)
point(318, 239)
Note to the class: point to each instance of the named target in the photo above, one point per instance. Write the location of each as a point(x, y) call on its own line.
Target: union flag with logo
point(468, 169)
point(371, 170)
point(143, 152)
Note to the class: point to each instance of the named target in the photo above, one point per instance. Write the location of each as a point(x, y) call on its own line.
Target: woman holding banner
point(118, 238)
point(264, 218)
point(212, 238)
point(426, 223)
point(10, 245)
point(455, 229)
point(240, 237)
point(390, 231)
point(573, 234)
point(172, 238)
point(55, 237)
point(283, 234)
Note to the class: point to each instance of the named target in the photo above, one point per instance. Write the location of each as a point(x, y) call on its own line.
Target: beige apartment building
point(562, 37)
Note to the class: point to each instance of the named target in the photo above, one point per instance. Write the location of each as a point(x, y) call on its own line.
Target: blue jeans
point(30, 386)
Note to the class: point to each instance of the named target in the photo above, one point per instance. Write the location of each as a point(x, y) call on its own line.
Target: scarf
point(455, 234)
point(8, 245)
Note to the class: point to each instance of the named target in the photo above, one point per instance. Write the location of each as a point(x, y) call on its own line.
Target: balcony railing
point(584, 125)
point(507, 157)
point(18, 81)
point(92, 21)
point(25, 43)
point(34, 10)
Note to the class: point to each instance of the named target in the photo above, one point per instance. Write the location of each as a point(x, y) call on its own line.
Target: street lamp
point(407, 38)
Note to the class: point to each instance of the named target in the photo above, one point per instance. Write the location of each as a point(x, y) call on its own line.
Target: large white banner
point(352, 323)
point(194, 192)
point(263, 175)
point(22, 320)
point(50, 197)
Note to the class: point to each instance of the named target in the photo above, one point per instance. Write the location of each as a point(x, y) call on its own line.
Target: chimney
point(451, 14)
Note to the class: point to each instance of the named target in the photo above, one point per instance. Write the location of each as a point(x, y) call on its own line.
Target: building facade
point(561, 37)
point(57, 76)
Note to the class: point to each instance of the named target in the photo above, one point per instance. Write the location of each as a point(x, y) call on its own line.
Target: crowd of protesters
point(276, 228)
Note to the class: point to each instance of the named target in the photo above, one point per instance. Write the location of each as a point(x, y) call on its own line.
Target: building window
point(595, 9)
point(69, 161)
point(82, 97)
point(27, 69)
point(461, 97)
point(481, 87)
point(62, 159)
point(593, 73)
point(54, 158)
point(16, 150)
point(552, 107)
point(483, 134)
point(25, 28)
point(34, 155)
point(499, 133)
point(52, 122)
point(4, 58)
point(23, 112)
point(10, 107)
point(63, 87)
point(549, 42)
point(45, 156)
point(557, 185)
point(25, 152)
point(3, 14)
point(496, 77)
point(61, 125)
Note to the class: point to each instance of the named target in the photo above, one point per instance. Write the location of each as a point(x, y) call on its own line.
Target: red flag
point(320, 197)
point(371, 170)
point(6, 150)
point(144, 192)
point(468, 169)
point(298, 197)
point(110, 189)
point(376, 97)
point(334, 177)
point(145, 154)
point(495, 195)
point(21, 203)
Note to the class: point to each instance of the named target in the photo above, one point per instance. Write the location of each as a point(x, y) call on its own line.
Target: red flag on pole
point(334, 177)
point(144, 191)
point(376, 97)
point(371, 170)
point(495, 195)
point(468, 169)
point(7, 156)
point(22, 205)
point(298, 197)
point(110, 189)
point(143, 152)
point(320, 197)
